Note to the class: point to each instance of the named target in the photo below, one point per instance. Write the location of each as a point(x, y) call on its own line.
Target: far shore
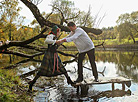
point(126, 47)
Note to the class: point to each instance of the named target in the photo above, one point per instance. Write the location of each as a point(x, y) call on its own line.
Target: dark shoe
point(30, 86)
point(96, 80)
point(30, 91)
point(78, 80)
point(29, 82)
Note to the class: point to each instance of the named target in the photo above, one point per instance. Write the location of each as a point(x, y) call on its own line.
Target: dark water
point(112, 63)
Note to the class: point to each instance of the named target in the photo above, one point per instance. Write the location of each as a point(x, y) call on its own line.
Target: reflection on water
point(124, 63)
point(109, 64)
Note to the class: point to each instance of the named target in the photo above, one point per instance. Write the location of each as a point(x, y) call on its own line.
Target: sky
point(112, 9)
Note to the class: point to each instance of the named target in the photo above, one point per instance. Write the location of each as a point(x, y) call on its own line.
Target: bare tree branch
point(100, 20)
point(21, 54)
point(41, 20)
point(65, 54)
point(36, 48)
point(70, 61)
point(19, 63)
point(87, 16)
point(20, 43)
point(49, 15)
point(102, 44)
point(29, 73)
point(96, 17)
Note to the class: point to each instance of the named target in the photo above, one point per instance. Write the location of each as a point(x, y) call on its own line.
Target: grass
point(11, 89)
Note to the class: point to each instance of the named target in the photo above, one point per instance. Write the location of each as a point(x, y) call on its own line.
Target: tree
point(127, 25)
point(108, 33)
point(10, 17)
point(66, 9)
point(66, 12)
point(85, 19)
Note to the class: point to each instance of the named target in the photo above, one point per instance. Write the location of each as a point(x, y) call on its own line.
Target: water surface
point(110, 63)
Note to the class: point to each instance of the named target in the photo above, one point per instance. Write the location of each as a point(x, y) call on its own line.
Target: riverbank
point(126, 47)
point(122, 47)
point(11, 87)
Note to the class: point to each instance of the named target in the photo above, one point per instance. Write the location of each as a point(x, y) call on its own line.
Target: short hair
point(71, 24)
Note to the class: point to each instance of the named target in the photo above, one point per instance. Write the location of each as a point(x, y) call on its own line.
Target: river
point(110, 63)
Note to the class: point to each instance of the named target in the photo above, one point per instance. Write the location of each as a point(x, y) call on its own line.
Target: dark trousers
point(91, 55)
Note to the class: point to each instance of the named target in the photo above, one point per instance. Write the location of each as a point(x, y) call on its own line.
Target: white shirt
point(81, 40)
point(49, 39)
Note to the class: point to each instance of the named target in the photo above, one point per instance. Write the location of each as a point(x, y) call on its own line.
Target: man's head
point(72, 26)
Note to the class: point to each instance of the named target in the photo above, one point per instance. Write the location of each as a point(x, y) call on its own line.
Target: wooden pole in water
point(113, 86)
point(77, 89)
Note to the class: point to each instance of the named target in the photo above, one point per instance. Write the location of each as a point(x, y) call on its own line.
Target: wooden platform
point(104, 80)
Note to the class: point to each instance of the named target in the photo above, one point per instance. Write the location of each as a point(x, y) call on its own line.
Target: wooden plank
point(105, 80)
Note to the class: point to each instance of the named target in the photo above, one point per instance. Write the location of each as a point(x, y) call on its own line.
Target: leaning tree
point(45, 24)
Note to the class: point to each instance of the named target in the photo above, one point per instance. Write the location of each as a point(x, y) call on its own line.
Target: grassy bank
point(114, 41)
point(11, 88)
point(107, 42)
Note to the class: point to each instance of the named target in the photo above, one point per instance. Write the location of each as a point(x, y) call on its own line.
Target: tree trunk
point(132, 38)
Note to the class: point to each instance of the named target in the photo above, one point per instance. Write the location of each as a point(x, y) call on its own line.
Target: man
point(84, 45)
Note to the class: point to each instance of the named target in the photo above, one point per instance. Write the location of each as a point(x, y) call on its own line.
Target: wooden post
point(84, 89)
point(113, 86)
point(123, 86)
point(77, 89)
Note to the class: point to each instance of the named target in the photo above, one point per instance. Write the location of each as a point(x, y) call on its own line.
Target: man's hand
point(58, 42)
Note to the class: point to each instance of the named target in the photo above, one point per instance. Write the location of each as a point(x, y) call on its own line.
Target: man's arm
point(77, 33)
point(60, 41)
point(71, 38)
point(63, 39)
